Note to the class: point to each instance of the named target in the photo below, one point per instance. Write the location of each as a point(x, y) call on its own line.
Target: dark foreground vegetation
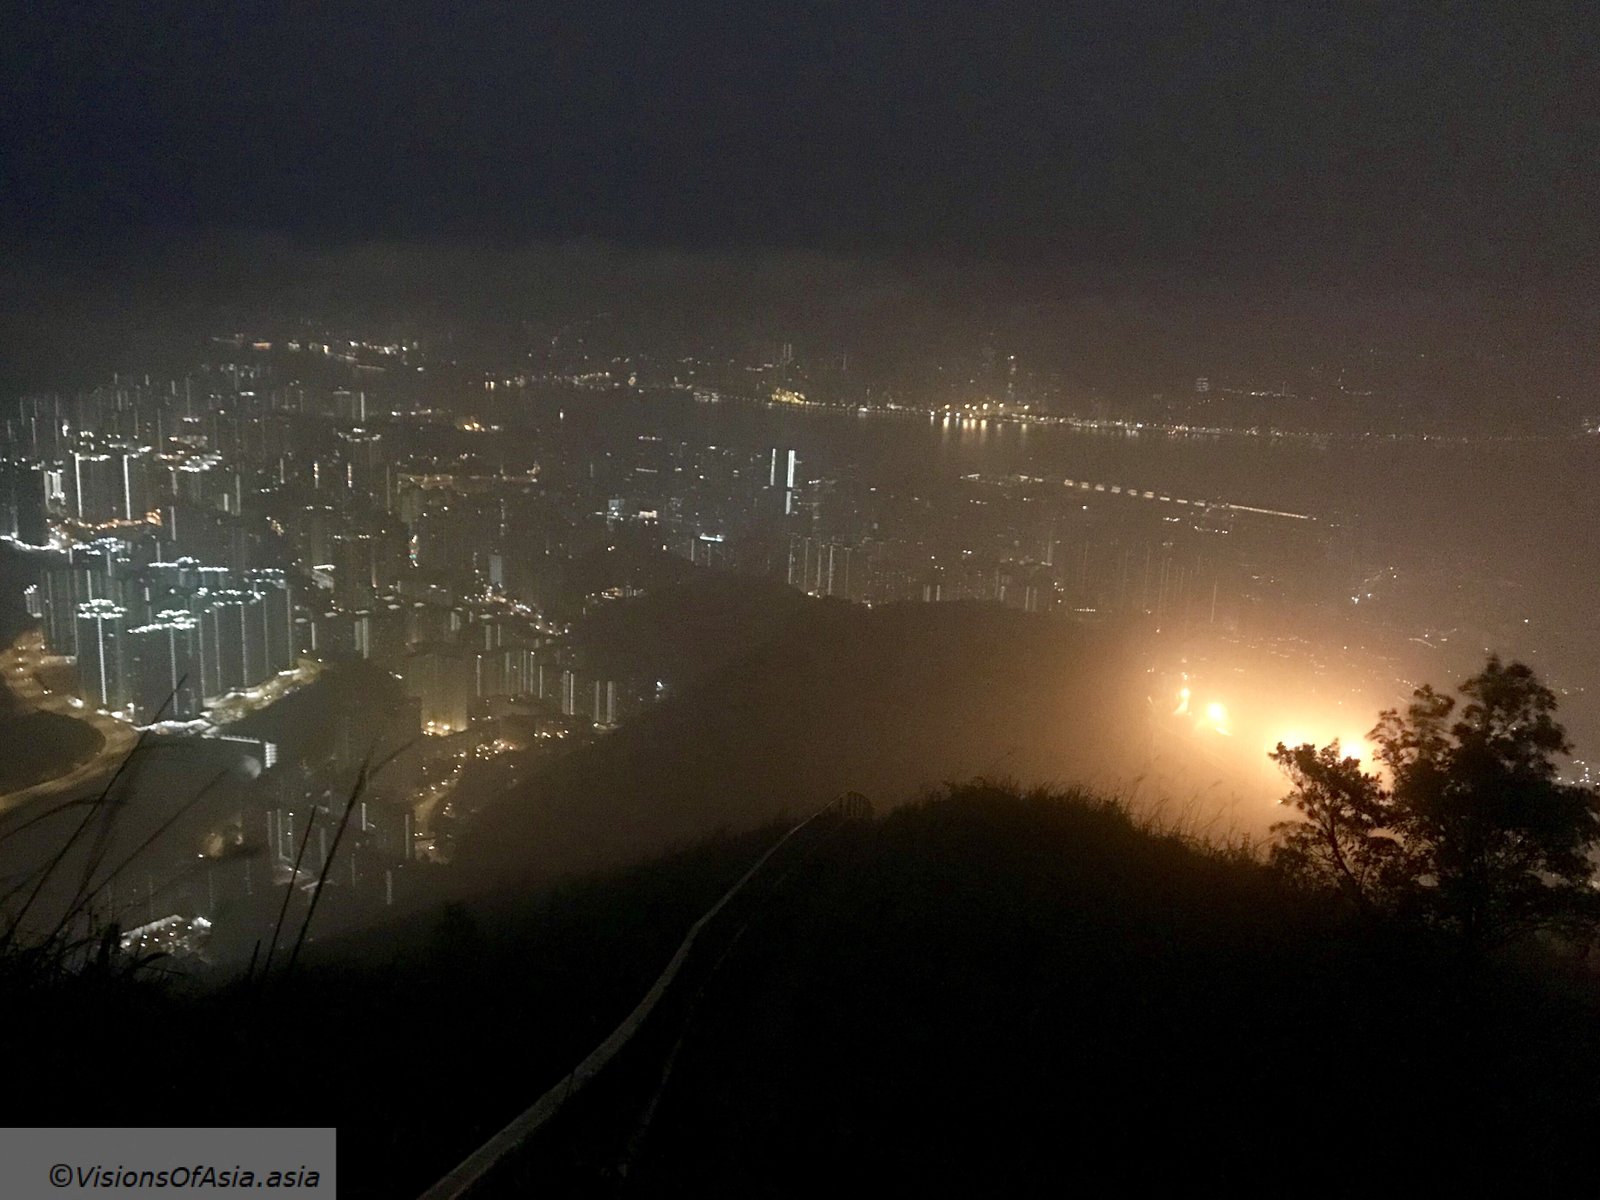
point(417, 1040)
point(993, 990)
point(988, 990)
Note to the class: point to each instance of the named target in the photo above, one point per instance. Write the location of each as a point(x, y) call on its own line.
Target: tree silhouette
point(1471, 831)
point(1345, 836)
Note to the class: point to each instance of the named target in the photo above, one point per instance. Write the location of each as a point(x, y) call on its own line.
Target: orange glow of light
point(1217, 717)
point(1351, 745)
point(1356, 746)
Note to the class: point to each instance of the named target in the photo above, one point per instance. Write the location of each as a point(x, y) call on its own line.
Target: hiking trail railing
point(476, 1170)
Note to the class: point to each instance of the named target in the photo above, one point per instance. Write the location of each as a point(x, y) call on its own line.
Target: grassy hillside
point(986, 992)
point(417, 1040)
point(991, 993)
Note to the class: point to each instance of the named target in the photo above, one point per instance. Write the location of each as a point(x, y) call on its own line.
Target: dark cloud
point(1211, 137)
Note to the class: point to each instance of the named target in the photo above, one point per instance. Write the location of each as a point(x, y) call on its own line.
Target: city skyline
point(967, 598)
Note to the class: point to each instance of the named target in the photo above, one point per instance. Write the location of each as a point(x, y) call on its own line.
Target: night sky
point(1214, 138)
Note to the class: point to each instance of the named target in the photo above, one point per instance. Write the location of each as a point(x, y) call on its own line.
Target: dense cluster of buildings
point(159, 640)
point(198, 536)
point(193, 539)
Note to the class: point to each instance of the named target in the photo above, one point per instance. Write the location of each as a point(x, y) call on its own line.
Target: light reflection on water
point(1517, 507)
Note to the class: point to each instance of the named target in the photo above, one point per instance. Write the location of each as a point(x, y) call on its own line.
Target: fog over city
point(663, 594)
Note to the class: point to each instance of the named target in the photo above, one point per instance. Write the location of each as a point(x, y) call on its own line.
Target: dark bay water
point(1526, 509)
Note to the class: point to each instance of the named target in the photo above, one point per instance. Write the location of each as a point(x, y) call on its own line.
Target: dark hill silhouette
point(886, 701)
point(685, 632)
point(987, 993)
point(994, 993)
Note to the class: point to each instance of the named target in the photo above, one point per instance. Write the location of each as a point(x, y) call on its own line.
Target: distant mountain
point(886, 702)
point(686, 632)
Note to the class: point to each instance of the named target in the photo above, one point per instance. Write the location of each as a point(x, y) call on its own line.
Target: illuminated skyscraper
point(365, 469)
point(275, 617)
point(102, 674)
point(133, 471)
point(784, 463)
point(367, 559)
point(605, 703)
point(38, 426)
point(93, 487)
point(22, 502)
point(253, 638)
point(825, 568)
point(164, 667)
point(208, 618)
point(205, 481)
point(781, 477)
point(350, 406)
point(354, 569)
point(107, 483)
point(59, 604)
point(228, 610)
